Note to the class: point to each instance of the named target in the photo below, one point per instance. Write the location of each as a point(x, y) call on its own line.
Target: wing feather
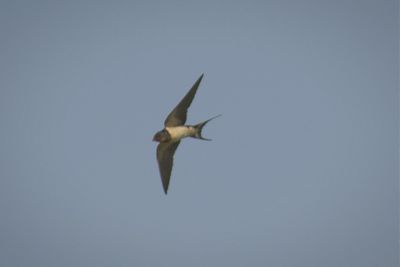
point(177, 116)
point(165, 158)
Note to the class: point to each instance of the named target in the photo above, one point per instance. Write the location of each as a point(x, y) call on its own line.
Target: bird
point(174, 131)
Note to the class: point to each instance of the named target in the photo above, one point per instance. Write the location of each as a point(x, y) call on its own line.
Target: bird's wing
point(177, 116)
point(165, 158)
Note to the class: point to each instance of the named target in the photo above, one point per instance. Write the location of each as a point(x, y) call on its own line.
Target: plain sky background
point(303, 166)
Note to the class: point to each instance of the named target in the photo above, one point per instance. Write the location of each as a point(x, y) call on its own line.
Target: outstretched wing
point(165, 158)
point(178, 114)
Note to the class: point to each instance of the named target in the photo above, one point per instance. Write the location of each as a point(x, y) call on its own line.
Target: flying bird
point(175, 130)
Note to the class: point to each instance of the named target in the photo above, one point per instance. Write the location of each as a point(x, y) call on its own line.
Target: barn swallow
point(175, 130)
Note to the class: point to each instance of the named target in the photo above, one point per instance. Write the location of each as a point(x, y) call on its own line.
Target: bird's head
point(162, 136)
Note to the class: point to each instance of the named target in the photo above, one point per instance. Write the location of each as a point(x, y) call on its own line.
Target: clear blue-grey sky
point(303, 166)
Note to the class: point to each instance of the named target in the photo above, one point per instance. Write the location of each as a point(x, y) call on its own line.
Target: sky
point(303, 169)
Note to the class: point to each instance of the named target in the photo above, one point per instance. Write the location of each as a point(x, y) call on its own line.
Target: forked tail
point(199, 128)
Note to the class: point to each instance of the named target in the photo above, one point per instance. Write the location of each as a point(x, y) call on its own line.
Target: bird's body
point(179, 132)
point(175, 130)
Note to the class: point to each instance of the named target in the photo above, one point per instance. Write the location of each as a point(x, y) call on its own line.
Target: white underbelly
point(180, 132)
